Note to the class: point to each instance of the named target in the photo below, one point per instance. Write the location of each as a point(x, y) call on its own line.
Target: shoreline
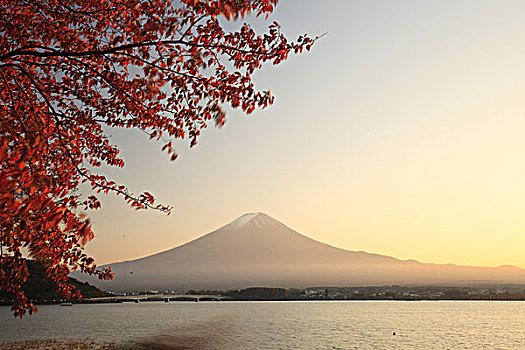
point(51, 344)
point(37, 303)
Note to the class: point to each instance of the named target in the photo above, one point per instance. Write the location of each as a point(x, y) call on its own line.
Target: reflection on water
point(278, 325)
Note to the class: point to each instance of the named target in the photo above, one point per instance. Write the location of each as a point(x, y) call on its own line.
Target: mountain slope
point(257, 250)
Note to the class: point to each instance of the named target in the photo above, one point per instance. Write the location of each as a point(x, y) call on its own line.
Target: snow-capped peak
point(241, 221)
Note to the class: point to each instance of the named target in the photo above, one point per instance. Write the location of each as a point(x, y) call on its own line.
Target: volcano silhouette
point(257, 250)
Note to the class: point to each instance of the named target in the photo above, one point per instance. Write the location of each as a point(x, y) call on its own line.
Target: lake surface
point(280, 325)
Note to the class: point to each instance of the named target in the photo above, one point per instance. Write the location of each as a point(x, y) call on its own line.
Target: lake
point(279, 325)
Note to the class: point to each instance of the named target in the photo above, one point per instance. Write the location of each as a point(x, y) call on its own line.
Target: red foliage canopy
point(69, 68)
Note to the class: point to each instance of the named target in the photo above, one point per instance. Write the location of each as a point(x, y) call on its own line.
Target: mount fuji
point(257, 250)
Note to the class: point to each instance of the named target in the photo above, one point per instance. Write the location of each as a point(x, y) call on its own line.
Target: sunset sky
point(401, 133)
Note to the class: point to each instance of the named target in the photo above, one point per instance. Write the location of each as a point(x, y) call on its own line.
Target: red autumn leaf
point(70, 69)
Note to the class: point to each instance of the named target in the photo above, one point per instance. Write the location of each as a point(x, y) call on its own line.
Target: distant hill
point(39, 287)
point(257, 250)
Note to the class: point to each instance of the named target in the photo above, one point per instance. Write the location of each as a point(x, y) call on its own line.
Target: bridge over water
point(156, 297)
